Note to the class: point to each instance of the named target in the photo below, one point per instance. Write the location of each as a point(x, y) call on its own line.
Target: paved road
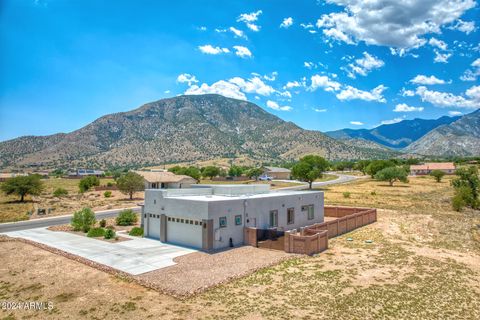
point(341, 178)
point(53, 221)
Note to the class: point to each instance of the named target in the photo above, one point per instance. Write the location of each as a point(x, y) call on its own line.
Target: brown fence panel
point(359, 221)
point(342, 225)
point(332, 227)
point(351, 225)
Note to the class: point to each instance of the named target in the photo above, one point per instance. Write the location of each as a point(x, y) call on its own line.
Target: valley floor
point(423, 263)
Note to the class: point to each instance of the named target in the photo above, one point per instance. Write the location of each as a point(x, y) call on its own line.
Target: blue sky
point(323, 65)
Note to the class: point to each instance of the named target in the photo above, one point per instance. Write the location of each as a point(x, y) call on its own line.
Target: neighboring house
point(7, 175)
point(277, 173)
point(165, 180)
point(85, 172)
point(426, 168)
point(211, 216)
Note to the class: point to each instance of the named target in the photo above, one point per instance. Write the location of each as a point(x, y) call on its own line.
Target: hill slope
point(460, 138)
point(184, 128)
point(396, 135)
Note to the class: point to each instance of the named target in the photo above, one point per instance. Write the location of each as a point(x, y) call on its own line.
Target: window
point(196, 223)
point(310, 213)
point(223, 222)
point(191, 221)
point(145, 215)
point(150, 215)
point(178, 220)
point(238, 220)
point(182, 220)
point(290, 215)
point(154, 201)
point(274, 218)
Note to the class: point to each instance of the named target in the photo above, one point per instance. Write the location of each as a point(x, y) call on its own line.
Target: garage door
point(154, 226)
point(184, 232)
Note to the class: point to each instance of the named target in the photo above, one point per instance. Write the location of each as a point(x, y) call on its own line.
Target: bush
point(126, 218)
point(136, 232)
point(60, 192)
point(103, 223)
point(458, 203)
point(373, 193)
point(96, 232)
point(107, 194)
point(109, 234)
point(437, 174)
point(392, 174)
point(83, 220)
point(86, 183)
point(346, 194)
point(110, 184)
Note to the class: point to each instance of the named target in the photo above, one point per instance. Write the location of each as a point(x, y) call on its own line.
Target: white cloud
point(324, 82)
point(351, 93)
point(287, 22)
point(292, 84)
point(319, 110)
point(356, 123)
point(309, 65)
point(363, 66)
point(422, 79)
point(441, 57)
point(464, 26)
point(397, 24)
point(237, 33)
point(472, 75)
point(221, 87)
point(476, 63)
point(271, 77)
point(434, 42)
point(273, 105)
point(187, 78)
point(242, 52)
point(209, 49)
point(403, 107)
point(202, 28)
point(253, 85)
point(167, 91)
point(306, 25)
point(392, 121)
point(249, 19)
point(454, 113)
point(446, 99)
point(285, 93)
point(407, 93)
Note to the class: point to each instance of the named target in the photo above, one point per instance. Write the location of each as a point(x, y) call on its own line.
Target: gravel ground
point(199, 271)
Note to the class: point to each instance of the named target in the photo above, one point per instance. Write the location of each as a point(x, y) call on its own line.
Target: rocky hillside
point(397, 135)
point(460, 138)
point(184, 128)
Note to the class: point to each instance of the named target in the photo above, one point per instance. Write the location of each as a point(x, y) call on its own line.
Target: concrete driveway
point(135, 256)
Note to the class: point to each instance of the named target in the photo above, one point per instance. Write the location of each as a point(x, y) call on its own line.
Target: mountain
point(184, 128)
point(459, 138)
point(397, 135)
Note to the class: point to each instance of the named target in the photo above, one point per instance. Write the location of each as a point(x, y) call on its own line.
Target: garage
point(154, 226)
point(185, 232)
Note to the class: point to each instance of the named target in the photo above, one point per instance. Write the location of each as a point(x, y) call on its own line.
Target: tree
point(193, 172)
point(254, 173)
point(86, 183)
point(126, 218)
point(361, 165)
point(210, 172)
point(130, 183)
point(377, 165)
point(467, 185)
point(437, 174)
point(309, 168)
point(235, 171)
point(23, 185)
point(392, 174)
point(83, 220)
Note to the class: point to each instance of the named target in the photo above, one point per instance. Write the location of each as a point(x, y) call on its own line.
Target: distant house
point(427, 168)
point(277, 173)
point(80, 173)
point(165, 180)
point(7, 175)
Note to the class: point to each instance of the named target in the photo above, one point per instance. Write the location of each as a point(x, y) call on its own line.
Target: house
point(277, 173)
point(428, 167)
point(165, 180)
point(7, 175)
point(214, 216)
point(80, 173)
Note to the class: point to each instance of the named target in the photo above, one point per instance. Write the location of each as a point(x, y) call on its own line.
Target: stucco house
point(428, 167)
point(214, 216)
point(165, 180)
point(277, 173)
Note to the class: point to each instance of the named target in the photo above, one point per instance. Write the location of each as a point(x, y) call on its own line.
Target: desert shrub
point(373, 193)
point(458, 203)
point(96, 232)
point(136, 232)
point(346, 194)
point(111, 227)
point(103, 223)
point(437, 174)
point(467, 187)
point(60, 192)
point(83, 220)
point(107, 194)
point(110, 184)
point(86, 183)
point(109, 234)
point(126, 218)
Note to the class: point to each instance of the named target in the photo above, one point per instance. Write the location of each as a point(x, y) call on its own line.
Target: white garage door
point(154, 226)
point(184, 232)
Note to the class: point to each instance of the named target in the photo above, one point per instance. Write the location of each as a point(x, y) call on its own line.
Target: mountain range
point(180, 129)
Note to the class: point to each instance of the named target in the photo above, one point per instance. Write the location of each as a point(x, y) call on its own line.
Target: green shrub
point(86, 183)
point(346, 194)
point(83, 220)
point(373, 193)
point(437, 174)
point(60, 192)
point(103, 223)
point(109, 234)
point(110, 184)
point(96, 232)
point(458, 203)
point(107, 194)
point(126, 218)
point(136, 232)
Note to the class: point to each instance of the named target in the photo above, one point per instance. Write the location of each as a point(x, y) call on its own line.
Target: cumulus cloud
point(398, 24)
point(471, 98)
point(472, 74)
point(407, 93)
point(351, 93)
point(237, 32)
point(454, 113)
point(287, 22)
point(221, 87)
point(403, 107)
point(363, 66)
point(209, 49)
point(319, 110)
point(356, 123)
point(249, 19)
point(292, 84)
point(253, 85)
point(324, 82)
point(242, 52)
point(422, 79)
point(434, 42)
point(309, 65)
point(187, 78)
point(273, 105)
point(441, 57)
point(464, 26)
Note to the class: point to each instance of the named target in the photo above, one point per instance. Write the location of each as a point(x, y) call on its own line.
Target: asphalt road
point(341, 178)
point(53, 221)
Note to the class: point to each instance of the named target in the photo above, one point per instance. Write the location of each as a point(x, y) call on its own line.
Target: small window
point(191, 221)
point(168, 219)
point(182, 220)
point(196, 223)
point(154, 201)
point(178, 220)
point(145, 215)
point(290, 216)
point(238, 220)
point(223, 222)
point(310, 213)
point(274, 218)
point(150, 215)
point(200, 223)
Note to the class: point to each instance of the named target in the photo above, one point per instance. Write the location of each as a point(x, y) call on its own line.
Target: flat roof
point(218, 197)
